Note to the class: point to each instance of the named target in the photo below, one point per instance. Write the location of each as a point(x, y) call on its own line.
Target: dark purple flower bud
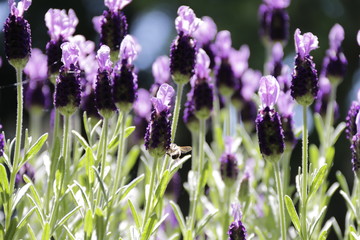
point(183, 48)
point(112, 26)
point(228, 168)
point(323, 98)
point(305, 82)
point(335, 63)
point(285, 106)
point(28, 170)
point(189, 118)
point(88, 103)
point(53, 51)
point(274, 20)
point(125, 79)
point(350, 120)
point(103, 89)
point(17, 34)
point(67, 91)
point(225, 80)
point(2, 142)
point(268, 124)
point(355, 153)
point(237, 230)
point(158, 132)
point(37, 92)
point(244, 191)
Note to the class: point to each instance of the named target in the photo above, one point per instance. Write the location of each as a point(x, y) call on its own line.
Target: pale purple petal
point(19, 8)
point(103, 58)
point(358, 37)
point(129, 49)
point(115, 5)
point(336, 36)
point(70, 53)
point(357, 121)
point(305, 43)
point(165, 94)
point(86, 46)
point(206, 31)
point(239, 60)
point(202, 65)
point(142, 105)
point(36, 68)
point(228, 144)
point(236, 211)
point(277, 52)
point(161, 69)
point(158, 105)
point(223, 43)
point(278, 3)
point(97, 22)
point(285, 103)
point(269, 91)
point(60, 24)
point(186, 22)
point(250, 80)
point(324, 84)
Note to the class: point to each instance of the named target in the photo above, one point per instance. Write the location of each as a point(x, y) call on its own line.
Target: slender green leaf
point(159, 223)
point(81, 140)
point(19, 195)
point(150, 222)
point(319, 125)
point(90, 160)
point(72, 237)
point(313, 225)
point(127, 188)
point(86, 125)
point(178, 164)
point(134, 213)
point(11, 231)
point(160, 190)
point(34, 149)
point(292, 212)
point(31, 232)
point(343, 183)
point(349, 203)
point(66, 217)
point(259, 233)
point(355, 236)
point(179, 216)
point(46, 232)
point(88, 224)
point(203, 221)
point(33, 190)
point(4, 184)
point(114, 142)
point(318, 179)
point(329, 155)
point(83, 194)
point(38, 210)
point(337, 132)
point(25, 218)
point(100, 224)
point(314, 155)
point(130, 160)
point(101, 182)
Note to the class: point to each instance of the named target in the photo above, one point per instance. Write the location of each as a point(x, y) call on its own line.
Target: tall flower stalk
point(304, 89)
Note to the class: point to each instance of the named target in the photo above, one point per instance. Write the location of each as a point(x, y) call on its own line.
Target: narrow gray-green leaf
point(4, 184)
point(203, 221)
point(72, 237)
point(318, 179)
point(88, 224)
point(159, 223)
point(100, 224)
point(127, 188)
point(34, 149)
point(337, 132)
point(343, 183)
point(319, 125)
point(349, 203)
point(115, 140)
point(134, 213)
point(46, 232)
point(25, 218)
point(33, 190)
point(292, 212)
point(81, 140)
point(313, 226)
point(150, 222)
point(30, 232)
point(83, 194)
point(66, 217)
point(19, 195)
point(179, 216)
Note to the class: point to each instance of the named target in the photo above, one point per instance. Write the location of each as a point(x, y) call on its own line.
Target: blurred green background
point(152, 22)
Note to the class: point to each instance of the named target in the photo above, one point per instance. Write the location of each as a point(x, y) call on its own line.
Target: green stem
point(194, 150)
point(227, 193)
point(228, 118)
point(150, 192)
point(64, 152)
point(197, 194)
point(304, 176)
point(103, 147)
point(16, 160)
point(280, 192)
point(120, 155)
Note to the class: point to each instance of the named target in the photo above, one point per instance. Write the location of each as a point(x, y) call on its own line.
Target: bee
point(176, 151)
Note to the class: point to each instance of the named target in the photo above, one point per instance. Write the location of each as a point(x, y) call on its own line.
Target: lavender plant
point(120, 173)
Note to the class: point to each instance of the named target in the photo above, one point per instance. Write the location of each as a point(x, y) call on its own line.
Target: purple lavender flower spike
point(228, 164)
point(37, 93)
point(161, 73)
point(142, 110)
point(17, 34)
point(268, 124)
point(351, 129)
point(67, 90)
point(355, 148)
point(158, 132)
point(60, 27)
point(274, 20)
point(335, 63)
point(275, 65)
point(125, 78)
point(305, 82)
point(183, 51)
point(237, 230)
point(189, 118)
point(2, 142)
point(202, 89)
point(103, 90)
point(114, 26)
point(250, 82)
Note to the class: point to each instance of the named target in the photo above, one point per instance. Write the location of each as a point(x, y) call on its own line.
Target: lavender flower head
point(225, 79)
point(189, 118)
point(183, 51)
point(67, 90)
point(103, 89)
point(351, 128)
point(305, 82)
point(112, 25)
point(355, 148)
point(275, 65)
point(285, 105)
point(37, 93)
point(204, 36)
point(268, 124)
point(228, 164)
point(125, 78)
point(202, 89)
point(274, 20)
point(323, 98)
point(161, 73)
point(237, 230)
point(335, 63)
point(2, 142)
point(158, 132)
point(60, 27)
point(17, 34)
